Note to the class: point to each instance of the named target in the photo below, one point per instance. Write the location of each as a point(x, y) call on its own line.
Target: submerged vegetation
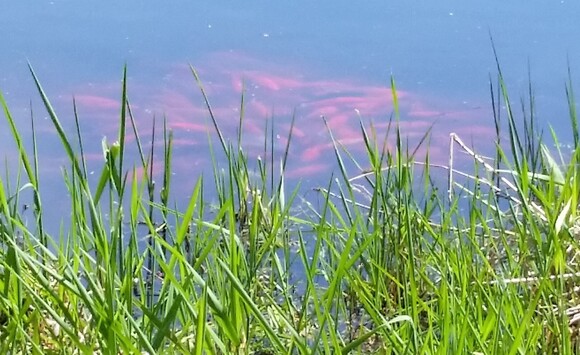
point(387, 262)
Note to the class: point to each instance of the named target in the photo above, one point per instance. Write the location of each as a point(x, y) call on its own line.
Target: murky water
point(303, 60)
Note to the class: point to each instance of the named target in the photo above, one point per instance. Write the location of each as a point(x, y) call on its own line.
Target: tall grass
point(388, 262)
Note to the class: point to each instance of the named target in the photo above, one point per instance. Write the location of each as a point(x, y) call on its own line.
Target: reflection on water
point(273, 96)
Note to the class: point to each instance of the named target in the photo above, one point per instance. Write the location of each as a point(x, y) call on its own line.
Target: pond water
point(303, 59)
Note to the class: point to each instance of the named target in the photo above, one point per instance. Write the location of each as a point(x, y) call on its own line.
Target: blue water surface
point(304, 59)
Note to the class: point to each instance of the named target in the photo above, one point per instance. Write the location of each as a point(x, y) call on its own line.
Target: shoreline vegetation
point(387, 261)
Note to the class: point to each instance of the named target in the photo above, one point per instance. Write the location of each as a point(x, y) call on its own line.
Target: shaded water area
point(302, 60)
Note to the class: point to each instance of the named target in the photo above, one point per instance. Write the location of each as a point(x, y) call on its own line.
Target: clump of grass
point(390, 262)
